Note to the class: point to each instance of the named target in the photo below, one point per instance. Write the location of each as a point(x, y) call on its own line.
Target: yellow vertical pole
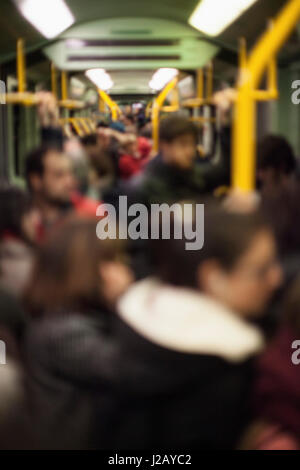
point(209, 82)
point(148, 109)
point(242, 59)
point(272, 71)
point(101, 105)
point(200, 83)
point(243, 164)
point(175, 98)
point(243, 53)
point(244, 140)
point(64, 86)
point(114, 112)
point(155, 125)
point(114, 109)
point(21, 66)
point(53, 80)
point(158, 102)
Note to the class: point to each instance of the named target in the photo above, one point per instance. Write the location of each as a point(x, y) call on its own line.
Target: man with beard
point(52, 186)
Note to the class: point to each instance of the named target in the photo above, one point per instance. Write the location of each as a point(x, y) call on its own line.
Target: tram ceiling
point(123, 35)
point(13, 24)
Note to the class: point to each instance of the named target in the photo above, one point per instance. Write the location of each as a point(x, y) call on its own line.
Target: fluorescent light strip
point(100, 78)
point(162, 77)
point(49, 17)
point(214, 16)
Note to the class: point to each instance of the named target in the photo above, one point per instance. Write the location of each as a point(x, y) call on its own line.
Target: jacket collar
point(187, 321)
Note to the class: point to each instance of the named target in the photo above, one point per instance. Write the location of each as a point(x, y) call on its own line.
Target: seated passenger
point(184, 372)
point(76, 281)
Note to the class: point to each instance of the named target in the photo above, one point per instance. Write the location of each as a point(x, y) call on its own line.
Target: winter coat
point(172, 371)
point(68, 361)
point(185, 373)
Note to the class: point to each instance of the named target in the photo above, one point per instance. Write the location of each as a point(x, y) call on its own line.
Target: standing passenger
point(187, 342)
point(76, 281)
point(51, 182)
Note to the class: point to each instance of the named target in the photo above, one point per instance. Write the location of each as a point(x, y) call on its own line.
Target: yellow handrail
point(209, 82)
point(157, 105)
point(200, 99)
point(21, 66)
point(148, 109)
point(91, 123)
point(75, 123)
point(170, 108)
point(22, 96)
point(65, 102)
point(53, 80)
point(243, 164)
point(114, 108)
point(64, 86)
point(101, 105)
point(84, 124)
point(200, 84)
point(26, 98)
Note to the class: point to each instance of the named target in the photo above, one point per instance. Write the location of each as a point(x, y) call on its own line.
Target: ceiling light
point(162, 77)
point(49, 17)
point(214, 16)
point(100, 78)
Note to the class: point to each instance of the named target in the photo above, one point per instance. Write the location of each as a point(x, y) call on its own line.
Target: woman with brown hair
point(75, 283)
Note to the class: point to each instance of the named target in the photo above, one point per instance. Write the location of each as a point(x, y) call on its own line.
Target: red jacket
point(130, 165)
point(277, 392)
point(82, 206)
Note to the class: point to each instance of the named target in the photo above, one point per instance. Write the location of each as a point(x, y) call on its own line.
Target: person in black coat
point(187, 342)
point(75, 282)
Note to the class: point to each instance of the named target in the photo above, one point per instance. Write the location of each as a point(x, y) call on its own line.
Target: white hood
point(187, 321)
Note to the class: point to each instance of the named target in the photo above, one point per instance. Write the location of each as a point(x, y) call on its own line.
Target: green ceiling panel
point(188, 52)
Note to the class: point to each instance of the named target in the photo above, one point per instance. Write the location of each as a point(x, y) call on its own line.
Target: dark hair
point(14, 204)
point(34, 163)
point(275, 152)
point(90, 139)
point(282, 211)
point(176, 126)
point(130, 118)
point(102, 124)
point(101, 162)
point(66, 270)
point(226, 237)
